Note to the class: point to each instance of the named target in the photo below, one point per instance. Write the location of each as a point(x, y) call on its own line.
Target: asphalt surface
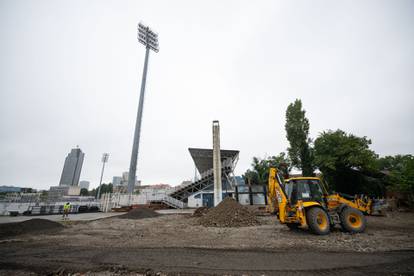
point(72, 217)
point(87, 216)
point(49, 258)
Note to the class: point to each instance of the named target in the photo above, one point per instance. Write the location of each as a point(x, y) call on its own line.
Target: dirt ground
point(178, 244)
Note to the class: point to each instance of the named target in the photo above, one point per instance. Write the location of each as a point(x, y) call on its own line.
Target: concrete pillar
point(217, 163)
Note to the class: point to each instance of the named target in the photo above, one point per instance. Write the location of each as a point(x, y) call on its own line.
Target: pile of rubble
point(32, 226)
point(229, 213)
point(139, 213)
point(201, 211)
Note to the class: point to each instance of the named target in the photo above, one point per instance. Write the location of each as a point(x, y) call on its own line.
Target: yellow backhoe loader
point(305, 202)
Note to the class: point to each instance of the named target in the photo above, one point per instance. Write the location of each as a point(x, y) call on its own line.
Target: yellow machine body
point(326, 211)
point(364, 205)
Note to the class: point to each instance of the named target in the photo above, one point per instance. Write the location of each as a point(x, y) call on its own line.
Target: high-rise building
point(125, 176)
point(84, 184)
point(72, 168)
point(123, 180)
point(116, 180)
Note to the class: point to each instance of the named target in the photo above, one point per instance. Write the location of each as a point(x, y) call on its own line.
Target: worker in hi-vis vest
point(66, 209)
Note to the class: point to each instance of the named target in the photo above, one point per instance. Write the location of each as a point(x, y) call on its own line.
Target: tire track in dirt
point(204, 261)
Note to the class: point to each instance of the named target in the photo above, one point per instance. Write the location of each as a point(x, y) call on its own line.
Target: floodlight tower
point(105, 158)
point(150, 40)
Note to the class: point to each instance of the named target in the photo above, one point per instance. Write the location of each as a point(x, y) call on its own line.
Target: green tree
point(399, 171)
point(297, 133)
point(259, 173)
point(84, 192)
point(105, 188)
point(92, 192)
point(347, 162)
point(281, 162)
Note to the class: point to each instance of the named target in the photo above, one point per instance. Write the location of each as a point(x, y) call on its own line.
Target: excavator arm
point(276, 195)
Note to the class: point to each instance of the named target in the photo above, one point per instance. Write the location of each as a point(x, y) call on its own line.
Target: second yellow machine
point(304, 202)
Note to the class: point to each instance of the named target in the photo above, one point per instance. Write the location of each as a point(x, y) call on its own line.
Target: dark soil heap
point(139, 213)
point(201, 211)
point(32, 226)
point(229, 213)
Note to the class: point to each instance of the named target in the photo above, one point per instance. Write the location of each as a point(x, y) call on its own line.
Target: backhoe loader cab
point(304, 189)
point(304, 202)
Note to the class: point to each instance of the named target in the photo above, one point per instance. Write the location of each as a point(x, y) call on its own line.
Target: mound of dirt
point(201, 211)
point(229, 213)
point(32, 226)
point(139, 213)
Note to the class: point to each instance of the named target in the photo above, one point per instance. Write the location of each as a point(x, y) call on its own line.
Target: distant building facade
point(58, 192)
point(72, 168)
point(12, 189)
point(116, 181)
point(84, 184)
point(122, 181)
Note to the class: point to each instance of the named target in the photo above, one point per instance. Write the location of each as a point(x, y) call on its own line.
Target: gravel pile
point(201, 211)
point(32, 226)
point(229, 213)
point(139, 213)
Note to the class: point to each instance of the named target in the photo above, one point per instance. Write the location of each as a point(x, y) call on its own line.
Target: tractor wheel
point(318, 221)
point(292, 226)
point(352, 220)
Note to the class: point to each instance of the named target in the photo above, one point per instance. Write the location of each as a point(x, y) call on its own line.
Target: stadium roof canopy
point(203, 158)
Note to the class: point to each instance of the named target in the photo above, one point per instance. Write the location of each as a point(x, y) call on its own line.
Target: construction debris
point(32, 226)
point(139, 213)
point(201, 211)
point(229, 213)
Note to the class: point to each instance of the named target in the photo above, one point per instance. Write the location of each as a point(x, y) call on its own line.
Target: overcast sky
point(70, 75)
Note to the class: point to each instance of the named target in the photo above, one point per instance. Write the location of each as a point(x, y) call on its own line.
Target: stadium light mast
point(150, 40)
point(105, 157)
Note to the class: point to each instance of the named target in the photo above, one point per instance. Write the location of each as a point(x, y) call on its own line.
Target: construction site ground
point(176, 244)
point(77, 217)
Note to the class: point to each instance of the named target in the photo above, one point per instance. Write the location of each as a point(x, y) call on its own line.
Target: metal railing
point(229, 162)
point(173, 202)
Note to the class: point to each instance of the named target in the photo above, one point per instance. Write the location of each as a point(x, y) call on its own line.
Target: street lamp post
point(150, 39)
point(105, 157)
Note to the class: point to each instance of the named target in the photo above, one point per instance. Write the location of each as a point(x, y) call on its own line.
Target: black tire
point(352, 220)
point(292, 226)
point(318, 221)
